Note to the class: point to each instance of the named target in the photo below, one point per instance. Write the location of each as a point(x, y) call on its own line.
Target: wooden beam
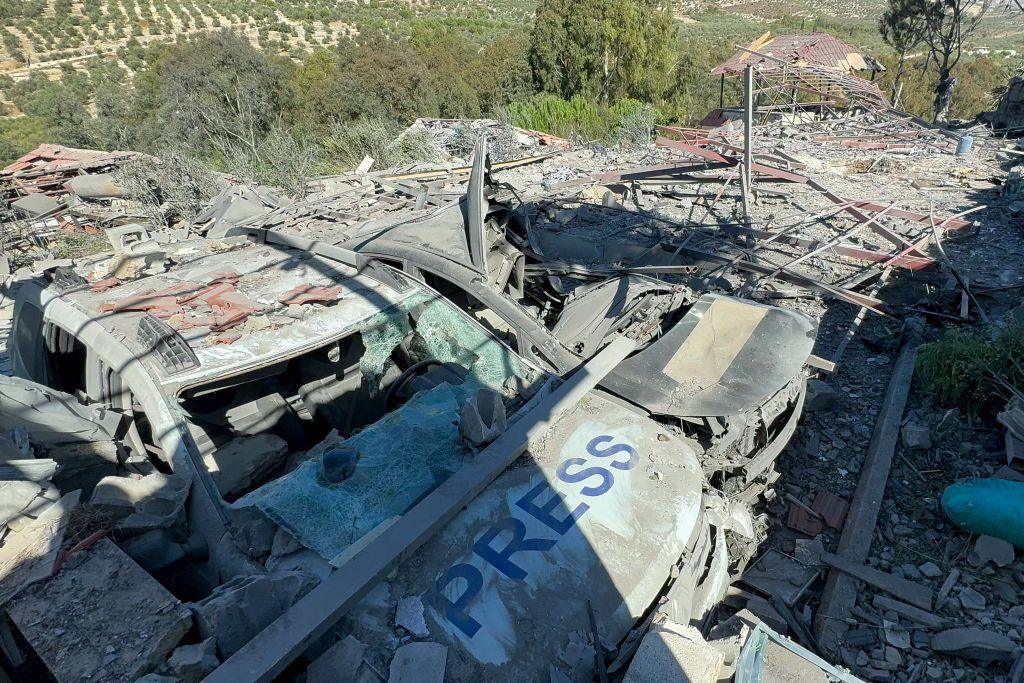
point(914, 593)
point(840, 592)
point(276, 646)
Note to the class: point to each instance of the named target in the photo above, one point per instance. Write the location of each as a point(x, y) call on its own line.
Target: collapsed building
point(521, 418)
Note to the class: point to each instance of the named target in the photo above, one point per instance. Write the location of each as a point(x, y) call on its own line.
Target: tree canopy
point(602, 49)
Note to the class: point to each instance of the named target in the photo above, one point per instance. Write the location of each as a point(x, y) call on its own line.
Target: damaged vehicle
point(274, 406)
point(726, 372)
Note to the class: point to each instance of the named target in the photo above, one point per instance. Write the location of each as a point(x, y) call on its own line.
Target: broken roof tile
point(306, 294)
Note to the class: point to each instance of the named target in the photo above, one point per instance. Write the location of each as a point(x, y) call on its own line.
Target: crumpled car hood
point(580, 518)
point(726, 356)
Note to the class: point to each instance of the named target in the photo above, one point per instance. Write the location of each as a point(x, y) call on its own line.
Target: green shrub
point(975, 370)
point(346, 144)
point(583, 119)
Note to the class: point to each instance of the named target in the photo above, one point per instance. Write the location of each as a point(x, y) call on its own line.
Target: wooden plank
point(858, 319)
point(914, 593)
point(276, 646)
point(821, 363)
point(884, 603)
point(840, 592)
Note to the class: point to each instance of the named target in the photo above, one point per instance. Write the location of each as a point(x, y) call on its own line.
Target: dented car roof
point(238, 307)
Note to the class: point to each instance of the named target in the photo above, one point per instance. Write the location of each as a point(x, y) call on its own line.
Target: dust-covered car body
point(724, 371)
point(332, 355)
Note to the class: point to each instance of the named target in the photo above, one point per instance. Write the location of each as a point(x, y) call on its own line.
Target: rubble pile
point(456, 138)
point(540, 411)
point(54, 191)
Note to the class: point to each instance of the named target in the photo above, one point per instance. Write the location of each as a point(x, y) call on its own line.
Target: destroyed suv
point(281, 412)
point(725, 372)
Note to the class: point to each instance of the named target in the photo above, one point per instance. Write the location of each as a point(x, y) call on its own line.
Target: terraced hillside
point(49, 34)
point(43, 33)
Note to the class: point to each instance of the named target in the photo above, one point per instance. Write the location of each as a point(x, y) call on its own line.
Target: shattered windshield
point(388, 392)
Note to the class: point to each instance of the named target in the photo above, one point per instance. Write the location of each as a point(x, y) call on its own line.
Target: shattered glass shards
point(443, 334)
point(449, 337)
point(403, 457)
point(381, 334)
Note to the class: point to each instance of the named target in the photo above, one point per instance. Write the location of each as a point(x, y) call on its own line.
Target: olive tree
point(949, 23)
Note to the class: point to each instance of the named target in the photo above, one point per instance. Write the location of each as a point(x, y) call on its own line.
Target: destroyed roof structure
point(46, 169)
point(818, 49)
point(54, 191)
point(824, 100)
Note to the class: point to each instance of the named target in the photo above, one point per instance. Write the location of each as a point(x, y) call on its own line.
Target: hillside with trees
point(305, 87)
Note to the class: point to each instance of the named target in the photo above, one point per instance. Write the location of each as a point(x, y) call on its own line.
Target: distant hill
point(49, 34)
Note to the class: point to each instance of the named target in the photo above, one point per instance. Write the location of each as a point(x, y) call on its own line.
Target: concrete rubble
point(294, 507)
point(102, 618)
point(240, 608)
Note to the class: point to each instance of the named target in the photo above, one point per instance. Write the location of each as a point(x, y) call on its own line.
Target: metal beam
point(280, 643)
point(711, 155)
point(788, 276)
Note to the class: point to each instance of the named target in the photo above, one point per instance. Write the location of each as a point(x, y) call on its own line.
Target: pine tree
point(903, 26)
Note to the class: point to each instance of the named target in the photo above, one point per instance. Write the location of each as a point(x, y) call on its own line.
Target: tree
point(220, 92)
point(949, 24)
point(604, 49)
point(903, 26)
point(388, 78)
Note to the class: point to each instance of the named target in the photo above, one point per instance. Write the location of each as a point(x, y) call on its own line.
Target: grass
point(977, 370)
point(80, 244)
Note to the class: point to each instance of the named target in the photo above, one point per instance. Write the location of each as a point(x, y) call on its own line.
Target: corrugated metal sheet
point(808, 49)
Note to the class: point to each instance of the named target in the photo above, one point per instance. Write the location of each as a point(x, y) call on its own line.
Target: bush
point(281, 159)
point(977, 371)
point(636, 123)
point(586, 120)
point(175, 185)
point(346, 144)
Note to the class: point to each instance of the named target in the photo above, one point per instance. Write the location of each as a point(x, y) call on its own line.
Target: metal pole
point(748, 142)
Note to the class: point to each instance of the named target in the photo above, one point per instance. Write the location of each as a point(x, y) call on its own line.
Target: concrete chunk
point(991, 549)
point(410, 616)
point(975, 644)
point(482, 418)
point(240, 463)
point(820, 396)
point(915, 436)
point(30, 548)
point(419, 663)
point(672, 652)
point(245, 605)
point(16, 498)
point(102, 618)
point(191, 662)
point(151, 502)
point(340, 662)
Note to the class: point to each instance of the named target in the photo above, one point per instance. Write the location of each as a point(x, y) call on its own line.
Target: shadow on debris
point(579, 537)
